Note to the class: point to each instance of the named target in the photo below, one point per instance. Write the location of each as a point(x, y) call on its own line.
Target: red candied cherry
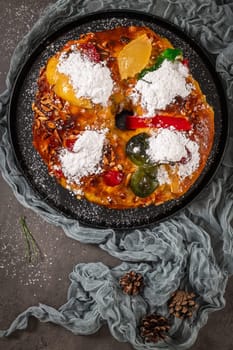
point(185, 62)
point(91, 52)
point(69, 144)
point(58, 173)
point(113, 177)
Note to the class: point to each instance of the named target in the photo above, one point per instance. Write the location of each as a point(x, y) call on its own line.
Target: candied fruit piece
point(134, 56)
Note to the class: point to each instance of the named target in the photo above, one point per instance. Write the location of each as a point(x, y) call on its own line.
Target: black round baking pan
point(20, 120)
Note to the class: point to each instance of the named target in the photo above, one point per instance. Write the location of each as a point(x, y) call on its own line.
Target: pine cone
point(132, 283)
point(182, 304)
point(154, 328)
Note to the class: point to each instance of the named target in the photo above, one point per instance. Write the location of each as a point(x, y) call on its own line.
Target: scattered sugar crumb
point(14, 263)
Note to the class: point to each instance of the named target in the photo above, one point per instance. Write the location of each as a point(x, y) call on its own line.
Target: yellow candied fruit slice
point(134, 56)
point(62, 87)
point(175, 183)
point(51, 71)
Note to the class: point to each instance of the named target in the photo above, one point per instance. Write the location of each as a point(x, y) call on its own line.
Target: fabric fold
point(95, 298)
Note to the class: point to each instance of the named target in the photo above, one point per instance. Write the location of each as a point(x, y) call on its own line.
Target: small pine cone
point(182, 304)
point(154, 328)
point(131, 283)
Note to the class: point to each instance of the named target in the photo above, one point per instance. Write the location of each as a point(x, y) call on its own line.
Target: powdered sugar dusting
point(86, 156)
point(172, 146)
point(89, 79)
point(159, 88)
point(167, 146)
point(162, 175)
point(188, 168)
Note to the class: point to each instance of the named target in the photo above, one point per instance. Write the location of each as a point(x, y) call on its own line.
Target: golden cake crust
point(60, 117)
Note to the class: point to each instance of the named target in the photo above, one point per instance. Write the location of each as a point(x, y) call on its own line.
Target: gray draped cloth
point(192, 250)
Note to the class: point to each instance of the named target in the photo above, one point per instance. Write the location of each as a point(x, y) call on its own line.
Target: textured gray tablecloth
point(193, 250)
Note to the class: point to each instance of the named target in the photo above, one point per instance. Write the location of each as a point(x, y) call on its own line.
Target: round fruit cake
point(119, 119)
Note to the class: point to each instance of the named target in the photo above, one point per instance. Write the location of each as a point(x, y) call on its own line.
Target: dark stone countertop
point(22, 285)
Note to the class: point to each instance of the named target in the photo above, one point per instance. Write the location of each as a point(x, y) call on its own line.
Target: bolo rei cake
point(119, 119)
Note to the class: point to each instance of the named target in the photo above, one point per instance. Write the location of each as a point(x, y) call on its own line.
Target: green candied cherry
point(136, 149)
point(144, 181)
